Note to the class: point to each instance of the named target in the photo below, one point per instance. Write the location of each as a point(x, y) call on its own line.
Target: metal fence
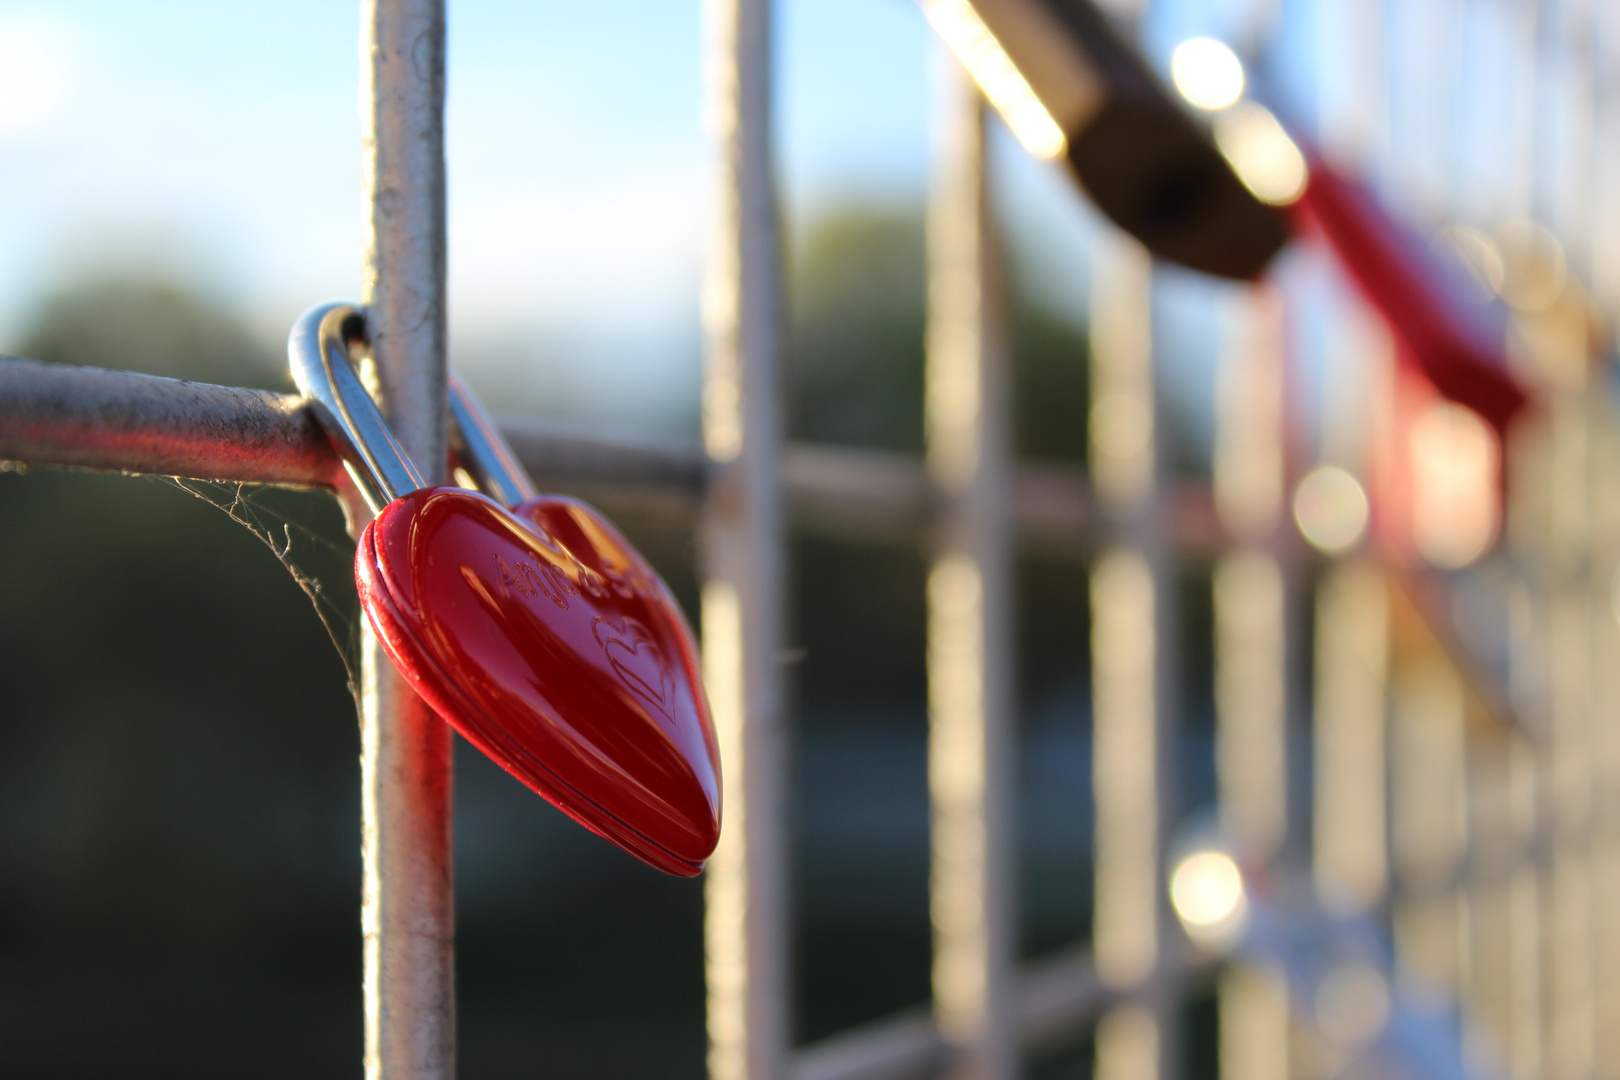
point(1478, 819)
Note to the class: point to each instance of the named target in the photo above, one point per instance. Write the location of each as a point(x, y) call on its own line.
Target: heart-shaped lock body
point(540, 634)
point(548, 642)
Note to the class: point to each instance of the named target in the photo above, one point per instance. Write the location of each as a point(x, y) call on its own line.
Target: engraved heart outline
point(612, 638)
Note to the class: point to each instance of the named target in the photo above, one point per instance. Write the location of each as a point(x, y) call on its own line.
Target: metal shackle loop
point(318, 351)
point(482, 450)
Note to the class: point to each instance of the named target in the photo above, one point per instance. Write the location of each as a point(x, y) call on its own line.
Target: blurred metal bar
point(1352, 614)
point(970, 677)
point(1501, 817)
point(1252, 670)
point(904, 1047)
point(408, 908)
point(1132, 642)
point(1251, 676)
point(554, 456)
point(1556, 556)
point(1050, 1001)
point(746, 921)
point(1603, 615)
point(1571, 368)
point(1428, 816)
point(1253, 1040)
point(1349, 768)
point(1061, 994)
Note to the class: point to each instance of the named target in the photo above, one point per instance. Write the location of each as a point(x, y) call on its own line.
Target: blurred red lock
point(1403, 280)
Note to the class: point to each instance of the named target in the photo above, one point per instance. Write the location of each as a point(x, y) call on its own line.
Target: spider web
point(305, 531)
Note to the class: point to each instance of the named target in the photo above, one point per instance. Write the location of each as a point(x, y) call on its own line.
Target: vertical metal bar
point(1252, 684)
point(1567, 563)
point(1253, 1037)
point(970, 681)
point(408, 913)
point(1428, 817)
point(1501, 816)
point(1133, 684)
point(1554, 674)
point(1251, 677)
point(1603, 614)
point(746, 920)
point(1350, 862)
point(1600, 24)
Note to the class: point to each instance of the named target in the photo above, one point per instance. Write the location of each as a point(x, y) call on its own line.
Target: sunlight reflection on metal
point(1252, 632)
point(1351, 863)
point(1128, 1045)
point(1268, 162)
point(956, 783)
point(1250, 409)
point(1122, 422)
point(743, 541)
point(1250, 699)
point(1254, 1019)
point(725, 882)
point(1330, 508)
point(970, 681)
point(966, 35)
point(1123, 646)
point(1207, 73)
point(1428, 823)
point(1206, 890)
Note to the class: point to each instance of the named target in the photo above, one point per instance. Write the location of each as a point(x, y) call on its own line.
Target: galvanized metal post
point(746, 927)
point(1501, 961)
point(1253, 680)
point(1428, 815)
point(1560, 347)
point(1133, 669)
point(1603, 614)
point(408, 909)
point(970, 677)
point(1250, 601)
point(1351, 862)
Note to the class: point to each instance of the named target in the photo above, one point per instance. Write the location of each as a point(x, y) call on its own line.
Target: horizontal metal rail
point(58, 414)
point(1056, 999)
point(121, 421)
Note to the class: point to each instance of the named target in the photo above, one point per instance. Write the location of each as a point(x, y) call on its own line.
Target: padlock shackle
point(318, 350)
point(483, 451)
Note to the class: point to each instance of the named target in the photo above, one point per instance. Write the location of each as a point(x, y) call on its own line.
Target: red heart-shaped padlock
point(540, 634)
point(547, 641)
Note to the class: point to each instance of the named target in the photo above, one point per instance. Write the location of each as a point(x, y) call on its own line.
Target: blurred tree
point(122, 319)
point(855, 347)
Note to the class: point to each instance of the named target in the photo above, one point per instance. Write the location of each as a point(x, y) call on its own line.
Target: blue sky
point(222, 140)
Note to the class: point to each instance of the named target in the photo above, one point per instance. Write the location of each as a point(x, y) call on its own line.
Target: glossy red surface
point(548, 642)
point(1390, 262)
